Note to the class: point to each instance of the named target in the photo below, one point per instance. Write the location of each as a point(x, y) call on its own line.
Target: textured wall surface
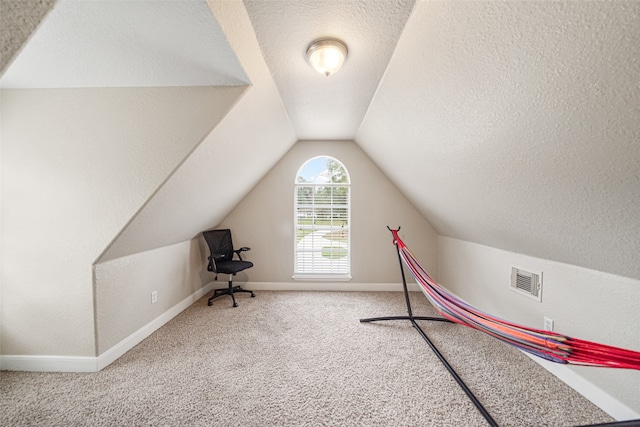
point(226, 165)
point(124, 286)
point(583, 303)
point(125, 44)
point(518, 121)
point(264, 220)
point(515, 125)
point(76, 166)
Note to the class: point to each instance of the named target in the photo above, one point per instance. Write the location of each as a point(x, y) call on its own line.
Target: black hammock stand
point(410, 317)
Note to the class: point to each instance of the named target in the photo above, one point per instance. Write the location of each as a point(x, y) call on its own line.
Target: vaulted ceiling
point(510, 124)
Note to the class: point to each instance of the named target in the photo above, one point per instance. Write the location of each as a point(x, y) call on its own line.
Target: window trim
point(322, 275)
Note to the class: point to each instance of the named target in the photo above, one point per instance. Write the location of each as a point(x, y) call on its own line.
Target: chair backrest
point(220, 244)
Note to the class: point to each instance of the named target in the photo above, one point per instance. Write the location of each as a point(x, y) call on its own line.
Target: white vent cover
point(527, 283)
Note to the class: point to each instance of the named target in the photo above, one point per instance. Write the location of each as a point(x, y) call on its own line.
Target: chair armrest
point(242, 249)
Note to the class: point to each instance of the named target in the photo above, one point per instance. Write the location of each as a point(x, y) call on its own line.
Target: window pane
point(322, 218)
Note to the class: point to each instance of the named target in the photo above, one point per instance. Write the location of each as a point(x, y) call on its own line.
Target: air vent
point(527, 283)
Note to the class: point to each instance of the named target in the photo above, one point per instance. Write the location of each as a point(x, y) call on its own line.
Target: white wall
point(515, 124)
point(124, 286)
point(263, 220)
point(227, 164)
point(76, 166)
point(583, 303)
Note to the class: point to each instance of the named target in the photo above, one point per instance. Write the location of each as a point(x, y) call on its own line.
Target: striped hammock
point(545, 344)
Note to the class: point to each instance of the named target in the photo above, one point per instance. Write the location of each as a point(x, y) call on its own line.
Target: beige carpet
point(300, 359)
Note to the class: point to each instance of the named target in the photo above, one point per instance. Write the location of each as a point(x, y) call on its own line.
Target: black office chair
point(221, 261)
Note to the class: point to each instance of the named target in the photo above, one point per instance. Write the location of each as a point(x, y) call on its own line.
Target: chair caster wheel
point(235, 305)
point(253, 295)
point(210, 303)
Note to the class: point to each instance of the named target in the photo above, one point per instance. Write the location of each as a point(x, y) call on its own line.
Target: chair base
point(231, 290)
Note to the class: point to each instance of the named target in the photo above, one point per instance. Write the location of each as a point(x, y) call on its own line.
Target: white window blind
point(322, 200)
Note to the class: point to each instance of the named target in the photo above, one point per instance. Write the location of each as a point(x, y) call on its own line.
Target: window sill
point(322, 277)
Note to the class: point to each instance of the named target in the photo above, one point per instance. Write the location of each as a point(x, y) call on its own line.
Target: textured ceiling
point(126, 44)
point(517, 125)
point(17, 23)
point(510, 124)
point(333, 107)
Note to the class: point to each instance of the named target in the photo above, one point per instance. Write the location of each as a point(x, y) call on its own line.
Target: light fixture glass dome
point(326, 56)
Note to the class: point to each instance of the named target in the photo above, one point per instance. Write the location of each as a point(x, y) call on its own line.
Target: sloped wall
point(583, 303)
point(157, 249)
point(230, 161)
point(264, 219)
point(523, 119)
point(76, 166)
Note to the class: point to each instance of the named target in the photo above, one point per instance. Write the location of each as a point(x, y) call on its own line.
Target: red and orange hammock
point(548, 345)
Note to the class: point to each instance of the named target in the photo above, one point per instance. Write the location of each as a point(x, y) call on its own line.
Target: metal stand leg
point(413, 319)
point(231, 290)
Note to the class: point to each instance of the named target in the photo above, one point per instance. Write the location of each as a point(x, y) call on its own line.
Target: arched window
point(322, 200)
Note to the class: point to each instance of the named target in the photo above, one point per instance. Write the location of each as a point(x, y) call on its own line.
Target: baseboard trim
point(48, 363)
point(594, 394)
point(328, 286)
point(111, 355)
point(597, 396)
point(94, 364)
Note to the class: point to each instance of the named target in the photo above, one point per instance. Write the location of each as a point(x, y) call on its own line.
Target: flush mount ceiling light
point(327, 55)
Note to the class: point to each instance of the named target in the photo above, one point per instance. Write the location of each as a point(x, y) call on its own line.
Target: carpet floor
point(300, 359)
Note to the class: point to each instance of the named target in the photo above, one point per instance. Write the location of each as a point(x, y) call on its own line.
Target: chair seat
point(232, 267)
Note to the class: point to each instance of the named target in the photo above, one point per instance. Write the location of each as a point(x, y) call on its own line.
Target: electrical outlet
point(548, 324)
point(154, 297)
